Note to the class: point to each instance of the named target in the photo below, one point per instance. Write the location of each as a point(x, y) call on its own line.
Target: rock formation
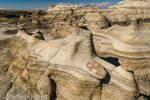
point(121, 86)
point(68, 56)
point(61, 6)
point(131, 46)
point(66, 72)
point(44, 70)
point(64, 13)
point(124, 11)
point(95, 20)
point(86, 9)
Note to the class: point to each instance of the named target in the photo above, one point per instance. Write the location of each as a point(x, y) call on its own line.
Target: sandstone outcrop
point(86, 9)
point(65, 13)
point(59, 31)
point(131, 46)
point(44, 70)
point(124, 11)
point(59, 15)
point(61, 6)
point(57, 60)
point(94, 20)
point(78, 53)
point(120, 77)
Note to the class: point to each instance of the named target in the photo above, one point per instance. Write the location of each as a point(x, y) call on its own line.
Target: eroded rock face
point(61, 7)
point(123, 12)
point(119, 79)
point(95, 20)
point(65, 13)
point(142, 77)
point(64, 63)
point(63, 69)
point(86, 9)
point(40, 62)
point(130, 45)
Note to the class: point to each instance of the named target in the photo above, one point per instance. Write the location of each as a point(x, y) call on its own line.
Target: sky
point(44, 4)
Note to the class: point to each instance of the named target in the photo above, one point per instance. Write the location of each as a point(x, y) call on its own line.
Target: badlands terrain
point(76, 53)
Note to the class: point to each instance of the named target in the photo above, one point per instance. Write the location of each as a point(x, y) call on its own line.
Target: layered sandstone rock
point(121, 86)
point(64, 62)
point(59, 15)
point(67, 68)
point(94, 20)
point(131, 46)
point(124, 11)
point(61, 7)
point(86, 9)
point(65, 13)
point(39, 66)
point(58, 32)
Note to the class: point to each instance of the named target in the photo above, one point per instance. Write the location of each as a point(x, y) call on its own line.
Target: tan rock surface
point(121, 86)
point(130, 45)
point(128, 9)
point(96, 20)
point(62, 61)
point(31, 77)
